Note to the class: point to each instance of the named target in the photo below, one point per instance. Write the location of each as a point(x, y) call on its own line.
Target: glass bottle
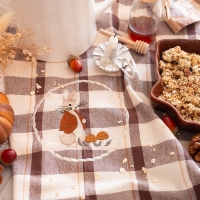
point(143, 22)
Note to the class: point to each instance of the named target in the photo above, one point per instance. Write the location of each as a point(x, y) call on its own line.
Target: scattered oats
point(119, 122)
point(58, 84)
point(146, 177)
point(153, 180)
point(43, 70)
point(150, 144)
point(74, 187)
point(124, 161)
point(144, 170)
point(36, 75)
point(154, 149)
point(172, 154)
point(122, 170)
point(178, 133)
point(96, 176)
point(54, 84)
point(132, 166)
point(32, 93)
point(38, 86)
point(61, 86)
point(82, 197)
point(84, 121)
point(153, 160)
point(57, 193)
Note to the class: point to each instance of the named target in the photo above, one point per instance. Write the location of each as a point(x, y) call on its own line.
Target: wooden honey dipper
point(138, 46)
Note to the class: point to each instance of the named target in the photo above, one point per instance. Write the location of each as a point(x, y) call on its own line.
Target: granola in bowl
point(177, 87)
point(181, 79)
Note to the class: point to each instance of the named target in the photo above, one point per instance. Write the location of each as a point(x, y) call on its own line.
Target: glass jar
point(143, 22)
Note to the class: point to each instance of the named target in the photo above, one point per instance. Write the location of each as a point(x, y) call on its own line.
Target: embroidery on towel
point(73, 125)
point(53, 144)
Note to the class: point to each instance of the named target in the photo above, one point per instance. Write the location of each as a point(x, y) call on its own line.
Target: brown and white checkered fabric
point(43, 169)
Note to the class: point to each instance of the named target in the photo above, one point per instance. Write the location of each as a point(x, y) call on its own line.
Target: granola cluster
point(180, 72)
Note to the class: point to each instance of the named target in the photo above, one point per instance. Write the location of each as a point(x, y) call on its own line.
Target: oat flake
point(153, 180)
point(124, 161)
point(144, 170)
point(57, 194)
point(96, 176)
point(32, 93)
point(74, 187)
point(172, 154)
point(122, 170)
point(150, 144)
point(153, 160)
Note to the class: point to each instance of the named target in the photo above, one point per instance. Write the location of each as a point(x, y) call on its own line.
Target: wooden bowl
point(190, 46)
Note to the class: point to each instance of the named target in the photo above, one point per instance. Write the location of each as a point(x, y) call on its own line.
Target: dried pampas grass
point(5, 20)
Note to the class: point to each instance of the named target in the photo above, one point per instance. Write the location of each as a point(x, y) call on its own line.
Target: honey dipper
point(138, 46)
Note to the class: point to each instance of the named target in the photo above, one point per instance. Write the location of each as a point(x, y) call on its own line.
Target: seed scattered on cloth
point(153, 160)
point(124, 161)
point(122, 170)
point(82, 197)
point(172, 154)
point(132, 166)
point(154, 149)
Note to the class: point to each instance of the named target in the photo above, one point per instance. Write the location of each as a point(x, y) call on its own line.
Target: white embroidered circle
point(44, 144)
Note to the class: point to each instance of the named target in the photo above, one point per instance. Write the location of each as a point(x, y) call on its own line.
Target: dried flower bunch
point(10, 44)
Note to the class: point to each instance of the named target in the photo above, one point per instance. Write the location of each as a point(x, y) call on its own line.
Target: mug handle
point(131, 64)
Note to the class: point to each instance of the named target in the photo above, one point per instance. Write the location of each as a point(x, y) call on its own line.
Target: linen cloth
point(142, 160)
point(183, 13)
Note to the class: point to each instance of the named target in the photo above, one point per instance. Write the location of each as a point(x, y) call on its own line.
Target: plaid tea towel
point(93, 135)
